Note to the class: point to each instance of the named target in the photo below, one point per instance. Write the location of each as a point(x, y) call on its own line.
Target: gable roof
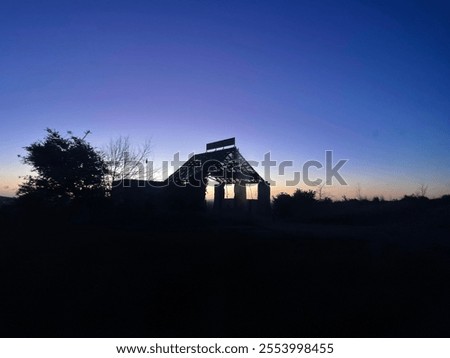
point(226, 166)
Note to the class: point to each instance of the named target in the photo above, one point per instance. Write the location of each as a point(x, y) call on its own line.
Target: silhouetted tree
point(422, 191)
point(320, 191)
point(282, 205)
point(304, 196)
point(299, 204)
point(65, 169)
point(126, 161)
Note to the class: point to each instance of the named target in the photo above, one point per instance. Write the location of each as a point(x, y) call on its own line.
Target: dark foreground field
point(243, 278)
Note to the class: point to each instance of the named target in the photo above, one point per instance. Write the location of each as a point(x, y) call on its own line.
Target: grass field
point(203, 277)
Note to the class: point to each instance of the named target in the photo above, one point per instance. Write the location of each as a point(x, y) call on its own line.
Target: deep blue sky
point(368, 80)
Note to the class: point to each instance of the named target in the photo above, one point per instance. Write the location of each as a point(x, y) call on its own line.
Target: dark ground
point(198, 277)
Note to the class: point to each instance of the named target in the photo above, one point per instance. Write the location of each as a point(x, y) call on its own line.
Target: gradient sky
point(368, 80)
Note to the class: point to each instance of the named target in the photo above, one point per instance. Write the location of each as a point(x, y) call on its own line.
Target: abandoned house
point(221, 167)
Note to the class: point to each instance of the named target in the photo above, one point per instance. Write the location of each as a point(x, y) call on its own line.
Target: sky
point(368, 80)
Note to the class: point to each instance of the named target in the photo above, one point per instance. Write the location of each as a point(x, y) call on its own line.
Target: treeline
point(303, 206)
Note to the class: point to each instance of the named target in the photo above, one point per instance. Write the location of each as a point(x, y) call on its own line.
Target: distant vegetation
point(303, 206)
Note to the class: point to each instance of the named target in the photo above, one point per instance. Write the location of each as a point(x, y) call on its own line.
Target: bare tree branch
point(422, 191)
point(320, 191)
point(126, 161)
